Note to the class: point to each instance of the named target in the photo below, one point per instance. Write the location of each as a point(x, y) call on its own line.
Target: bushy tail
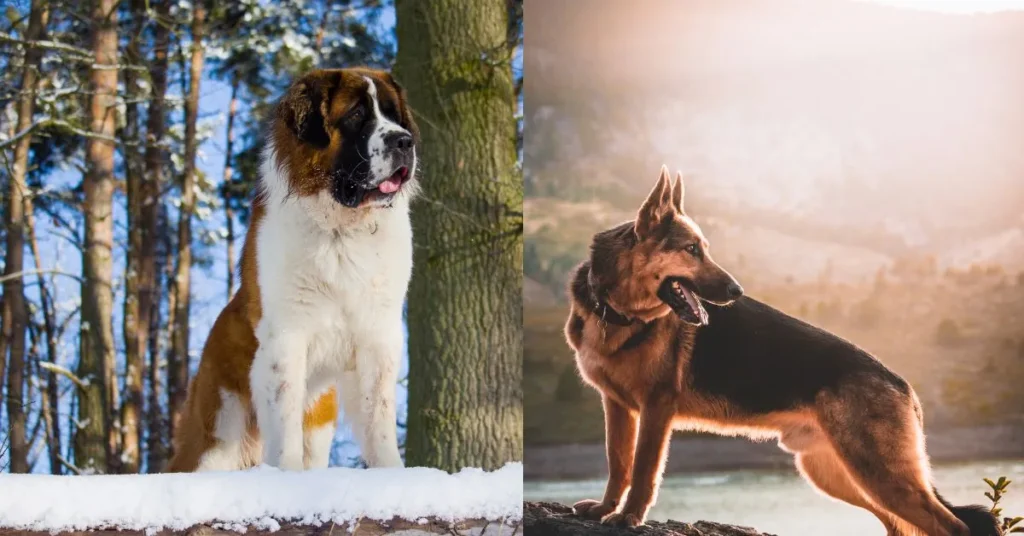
point(976, 517)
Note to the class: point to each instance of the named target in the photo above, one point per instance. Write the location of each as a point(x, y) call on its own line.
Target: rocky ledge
point(551, 519)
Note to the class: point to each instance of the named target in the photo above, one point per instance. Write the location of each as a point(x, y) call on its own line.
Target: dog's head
point(348, 133)
point(664, 260)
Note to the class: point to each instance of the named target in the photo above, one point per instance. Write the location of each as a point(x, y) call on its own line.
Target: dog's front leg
point(278, 380)
point(377, 369)
point(648, 463)
point(620, 444)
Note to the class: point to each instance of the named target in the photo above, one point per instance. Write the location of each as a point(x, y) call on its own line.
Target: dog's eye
point(693, 249)
point(355, 115)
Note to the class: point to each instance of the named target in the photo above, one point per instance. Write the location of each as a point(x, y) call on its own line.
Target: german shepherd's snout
point(667, 337)
point(669, 261)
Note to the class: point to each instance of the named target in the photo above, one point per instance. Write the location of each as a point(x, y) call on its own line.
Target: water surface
point(780, 502)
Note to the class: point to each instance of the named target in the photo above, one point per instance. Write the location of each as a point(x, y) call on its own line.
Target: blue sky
point(208, 282)
point(209, 293)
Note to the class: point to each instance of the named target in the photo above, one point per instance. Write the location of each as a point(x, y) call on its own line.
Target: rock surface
point(551, 519)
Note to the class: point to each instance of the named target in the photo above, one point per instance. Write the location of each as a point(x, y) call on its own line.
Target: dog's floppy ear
point(677, 193)
point(657, 206)
point(302, 109)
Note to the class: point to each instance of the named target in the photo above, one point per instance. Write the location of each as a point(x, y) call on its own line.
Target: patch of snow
point(261, 496)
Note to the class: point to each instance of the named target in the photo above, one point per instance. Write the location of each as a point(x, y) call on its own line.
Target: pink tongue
point(390, 186)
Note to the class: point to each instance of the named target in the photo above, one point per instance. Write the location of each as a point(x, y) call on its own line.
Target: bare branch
point(57, 369)
point(48, 45)
point(23, 273)
point(68, 465)
point(62, 125)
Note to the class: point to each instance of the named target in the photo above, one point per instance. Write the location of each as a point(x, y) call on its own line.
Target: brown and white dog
point(324, 272)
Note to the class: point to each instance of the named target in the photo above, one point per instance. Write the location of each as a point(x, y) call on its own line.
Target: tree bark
point(178, 364)
point(50, 399)
point(14, 312)
point(149, 210)
point(132, 328)
point(163, 327)
point(227, 189)
point(97, 333)
point(465, 298)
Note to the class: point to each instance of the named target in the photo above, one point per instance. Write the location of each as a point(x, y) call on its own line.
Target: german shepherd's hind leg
point(620, 444)
point(648, 463)
point(875, 427)
point(823, 469)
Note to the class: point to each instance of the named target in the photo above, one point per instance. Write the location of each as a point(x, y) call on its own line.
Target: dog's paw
point(290, 463)
point(622, 520)
point(591, 509)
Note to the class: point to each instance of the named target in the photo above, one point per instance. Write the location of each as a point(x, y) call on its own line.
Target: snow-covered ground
point(260, 497)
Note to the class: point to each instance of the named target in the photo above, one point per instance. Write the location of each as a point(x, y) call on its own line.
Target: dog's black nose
point(734, 290)
point(398, 140)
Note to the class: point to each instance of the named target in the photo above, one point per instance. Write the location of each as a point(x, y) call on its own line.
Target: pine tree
point(97, 334)
point(15, 312)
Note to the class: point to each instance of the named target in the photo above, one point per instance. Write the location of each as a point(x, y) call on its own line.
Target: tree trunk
point(97, 333)
point(465, 299)
point(133, 329)
point(178, 364)
point(158, 445)
point(227, 189)
point(14, 312)
point(50, 399)
point(149, 209)
point(321, 30)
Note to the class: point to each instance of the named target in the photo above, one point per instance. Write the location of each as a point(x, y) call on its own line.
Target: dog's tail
point(979, 519)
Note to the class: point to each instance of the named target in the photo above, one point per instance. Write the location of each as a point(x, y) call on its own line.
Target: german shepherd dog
point(666, 337)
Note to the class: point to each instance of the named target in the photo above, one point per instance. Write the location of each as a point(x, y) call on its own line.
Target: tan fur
point(225, 362)
point(641, 372)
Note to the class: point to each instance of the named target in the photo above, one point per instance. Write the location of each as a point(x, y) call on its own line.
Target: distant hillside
point(854, 164)
point(782, 114)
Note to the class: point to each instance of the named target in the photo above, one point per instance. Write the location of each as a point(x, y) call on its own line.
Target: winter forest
point(130, 140)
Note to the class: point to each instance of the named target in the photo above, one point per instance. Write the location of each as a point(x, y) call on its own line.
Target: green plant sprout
point(1010, 525)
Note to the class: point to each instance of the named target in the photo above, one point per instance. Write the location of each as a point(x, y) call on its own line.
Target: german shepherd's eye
point(694, 249)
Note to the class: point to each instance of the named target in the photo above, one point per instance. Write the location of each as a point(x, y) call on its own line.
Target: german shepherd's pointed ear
point(677, 193)
point(658, 205)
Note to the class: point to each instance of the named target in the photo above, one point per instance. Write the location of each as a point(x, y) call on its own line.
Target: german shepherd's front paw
point(591, 509)
point(622, 520)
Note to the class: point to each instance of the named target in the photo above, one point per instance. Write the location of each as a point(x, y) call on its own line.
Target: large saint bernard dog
point(324, 272)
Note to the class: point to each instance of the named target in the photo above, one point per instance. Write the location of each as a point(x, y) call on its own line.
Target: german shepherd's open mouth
point(677, 293)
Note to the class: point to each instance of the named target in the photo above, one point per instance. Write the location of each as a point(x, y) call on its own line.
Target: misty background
point(855, 164)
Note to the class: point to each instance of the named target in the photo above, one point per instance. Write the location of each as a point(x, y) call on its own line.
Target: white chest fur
point(332, 284)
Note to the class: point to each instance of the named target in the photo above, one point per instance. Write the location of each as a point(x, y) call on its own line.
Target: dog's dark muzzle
point(350, 189)
point(677, 293)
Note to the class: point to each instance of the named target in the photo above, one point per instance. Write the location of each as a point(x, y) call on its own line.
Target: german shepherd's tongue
point(683, 301)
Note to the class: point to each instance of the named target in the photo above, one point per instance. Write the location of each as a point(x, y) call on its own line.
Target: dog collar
point(609, 315)
point(605, 313)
